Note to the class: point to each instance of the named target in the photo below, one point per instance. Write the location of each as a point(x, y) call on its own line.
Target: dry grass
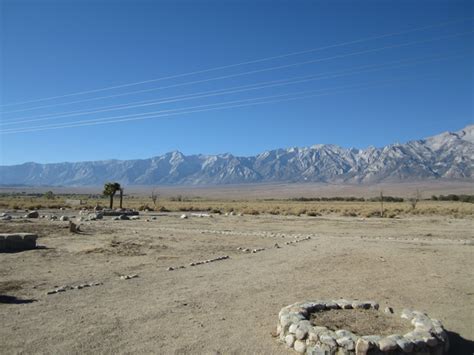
point(254, 207)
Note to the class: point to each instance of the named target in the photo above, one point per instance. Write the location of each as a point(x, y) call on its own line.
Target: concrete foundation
point(13, 242)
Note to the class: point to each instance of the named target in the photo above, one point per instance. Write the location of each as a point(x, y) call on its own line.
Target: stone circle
point(298, 333)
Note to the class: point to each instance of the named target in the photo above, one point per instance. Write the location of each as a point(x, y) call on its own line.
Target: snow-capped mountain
point(448, 156)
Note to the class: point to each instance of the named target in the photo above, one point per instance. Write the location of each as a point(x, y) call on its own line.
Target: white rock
point(300, 346)
point(405, 345)
point(293, 328)
point(387, 344)
point(290, 340)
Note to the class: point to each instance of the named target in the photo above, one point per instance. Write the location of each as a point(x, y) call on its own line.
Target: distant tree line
point(453, 197)
point(450, 197)
point(349, 199)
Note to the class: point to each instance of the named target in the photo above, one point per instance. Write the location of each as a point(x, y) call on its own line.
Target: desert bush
point(372, 213)
point(301, 211)
point(251, 211)
point(348, 213)
point(274, 211)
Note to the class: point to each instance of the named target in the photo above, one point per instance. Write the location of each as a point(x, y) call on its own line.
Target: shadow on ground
point(14, 300)
point(459, 345)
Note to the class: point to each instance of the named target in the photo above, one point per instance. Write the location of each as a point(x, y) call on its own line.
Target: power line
point(194, 109)
point(251, 72)
point(235, 89)
point(243, 63)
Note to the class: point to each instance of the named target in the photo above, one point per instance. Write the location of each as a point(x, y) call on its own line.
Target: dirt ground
point(361, 321)
point(228, 306)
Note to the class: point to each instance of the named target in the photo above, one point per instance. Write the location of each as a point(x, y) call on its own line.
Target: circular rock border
point(295, 330)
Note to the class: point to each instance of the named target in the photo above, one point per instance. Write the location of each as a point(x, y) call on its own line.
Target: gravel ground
point(227, 306)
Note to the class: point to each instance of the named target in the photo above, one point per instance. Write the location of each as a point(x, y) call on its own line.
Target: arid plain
point(228, 306)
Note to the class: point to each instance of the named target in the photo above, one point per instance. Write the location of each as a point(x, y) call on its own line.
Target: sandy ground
point(229, 306)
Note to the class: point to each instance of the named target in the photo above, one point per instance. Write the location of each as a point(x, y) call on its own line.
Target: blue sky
point(423, 84)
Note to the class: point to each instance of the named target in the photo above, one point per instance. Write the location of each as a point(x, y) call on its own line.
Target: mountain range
point(447, 156)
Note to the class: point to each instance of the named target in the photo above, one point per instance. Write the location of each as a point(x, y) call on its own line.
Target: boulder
point(32, 214)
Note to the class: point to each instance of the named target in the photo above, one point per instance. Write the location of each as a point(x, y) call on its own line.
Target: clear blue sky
point(51, 48)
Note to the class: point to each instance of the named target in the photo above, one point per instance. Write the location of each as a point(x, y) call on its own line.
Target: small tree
point(110, 189)
point(414, 200)
point(49, 195)
point(154, 197)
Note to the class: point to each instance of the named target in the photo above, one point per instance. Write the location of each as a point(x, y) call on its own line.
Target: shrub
point(251, 211)
point(347, 213)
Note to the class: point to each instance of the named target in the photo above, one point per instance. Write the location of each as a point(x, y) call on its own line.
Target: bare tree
point(154, 197)
point(414, 200)
point(121, 196)
point(381, 203)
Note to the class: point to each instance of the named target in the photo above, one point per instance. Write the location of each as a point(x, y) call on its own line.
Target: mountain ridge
point(446, 156)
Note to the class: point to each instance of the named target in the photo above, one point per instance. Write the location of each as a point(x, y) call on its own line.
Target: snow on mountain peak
point(448, 155)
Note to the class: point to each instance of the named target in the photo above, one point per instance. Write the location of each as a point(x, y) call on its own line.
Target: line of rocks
point(298, 240)
point(417, 239)
point(256, 250)
point(237, 233)
point(196, 263)
point(201, 215)
point(232, 213)
point(71, 287)
point(295, 330)
point(253, 251)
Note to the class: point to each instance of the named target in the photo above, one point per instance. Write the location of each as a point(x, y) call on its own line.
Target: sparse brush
point(349, 213)
point(251, 211)
point(311, 207)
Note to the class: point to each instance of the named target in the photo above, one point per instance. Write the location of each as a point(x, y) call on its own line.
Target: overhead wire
point(242, 63)
point(194, 109)
point(250, 72)
point(231, 90)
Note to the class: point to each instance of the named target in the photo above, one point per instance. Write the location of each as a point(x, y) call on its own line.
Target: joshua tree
point(110, 189)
